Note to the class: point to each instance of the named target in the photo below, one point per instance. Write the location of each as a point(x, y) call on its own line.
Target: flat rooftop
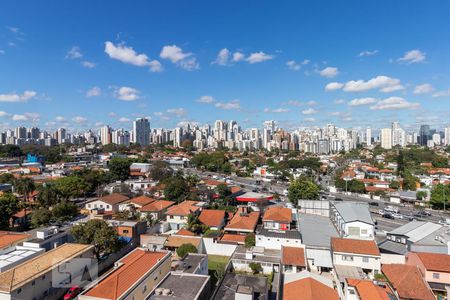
point(316, 231)
point(182, 286)
point(232, 282)
point(190, 263)
point(17, 255)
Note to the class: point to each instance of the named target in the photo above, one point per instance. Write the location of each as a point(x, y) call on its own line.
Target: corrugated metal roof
point(322, 258)
point(316, 230)
point(354, 211)
point(404, 229)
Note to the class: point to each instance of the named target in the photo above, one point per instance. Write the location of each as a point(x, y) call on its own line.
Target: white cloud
point(124, 120)
point(112, 114)
point(305, 61)
point(332, 86)
point(329, 72)
point(442, 94)
point(293, 65)
point(368, 53)
point(2, 51)
point(233, 104)
point(127, 55)
point(362, 101)
point(94, 92)
point(88, 64)
point(394, 103)
point(175, 54)
point(238, 56)
point(258, 57)
point(310, 120)
point(339, 101)
point(126, 93)
point(28, 116)
point(60, 119)
point(14, 97)
point(311, 103)
point(383, 83)
point(277, 110)
point(223, 58)
point(79, 119)
point(179, 112)
point(295, 103)
point(309, 111)
point(423, 89)
point(158, 113)
point(206, 99)
point(413, 56)
point(74, 53)
point(19, 118)
point(14, 29)
point(3, 114)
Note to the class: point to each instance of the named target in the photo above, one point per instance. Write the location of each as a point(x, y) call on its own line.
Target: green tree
point(255, 267)
point(409, 181)
point(194, 224)
point(438, 194)
point(40, 217)
point(98, 233)
point(24, 186)
point(440, 161)
point(64, 211)
point(71, 187)
point(421, 195)
point(185, 249)
point(394, 184)
point(176, 188)
point(120, 168)
point(160, 170)
point(48, 195)
point(303, 188)
point(9, 205)
point(250, 240)
point(223, 191)
point(7, 178)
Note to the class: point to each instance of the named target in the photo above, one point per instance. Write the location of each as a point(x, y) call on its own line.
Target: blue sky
point(80, 64)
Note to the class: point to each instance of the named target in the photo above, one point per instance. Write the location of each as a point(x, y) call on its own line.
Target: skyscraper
point(141, 131)
point(386, 138)
point(424, 134)
point(369, 136)
point(105, 135)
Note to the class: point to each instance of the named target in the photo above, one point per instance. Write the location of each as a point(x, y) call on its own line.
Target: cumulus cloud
point(17, 117)
point(309, 120)
point(295, 103)
point(258, 57)
point(382, 83)
point(231, 105)
point(277, 110)
point(238, 56)
point(124, 120)
point(28, 116)
point(332, 86)
point(223, 58)
point(88, 64)
point(128, 55)
point(395, 103)
point(368, 53)
point(362, 101)
point(94, 92)
point(60, 119)
point(14, 97)
point(74, 53)
point(3, 114)
point(206, 99)
point(309, 111)
point(179, 112)
point(329, 72)
point(293, 65)
point(79, 120)
point(339, 101)
point(442, 94)
point(126, 93)
point(184, 60)
point(412, 57)
point(423, 89)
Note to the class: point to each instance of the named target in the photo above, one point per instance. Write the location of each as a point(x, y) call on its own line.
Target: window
point(435, 275)
point(19, 291)
point(365, 259)
point(144, 289)
point(125, 231)
point(107, 206)
point(33, 282)
point(363, 231)
point(347, 258)
point(89, 206)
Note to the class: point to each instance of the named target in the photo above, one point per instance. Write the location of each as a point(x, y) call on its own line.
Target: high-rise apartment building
point(141, 131)
point(386, 138)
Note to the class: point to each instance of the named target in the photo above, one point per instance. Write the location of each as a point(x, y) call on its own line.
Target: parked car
point(72, 293)
point(387, 216)
point(397, 216)
point(338, 199)
point(381, 212)
point(374, 204)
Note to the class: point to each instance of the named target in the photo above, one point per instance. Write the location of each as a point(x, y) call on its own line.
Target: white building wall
point(276, 243)
point(214, 248)
point(374, 263)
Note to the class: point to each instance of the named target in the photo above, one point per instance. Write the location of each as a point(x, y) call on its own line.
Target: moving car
point(387, 216)
point(72, 293)
point(374, 204)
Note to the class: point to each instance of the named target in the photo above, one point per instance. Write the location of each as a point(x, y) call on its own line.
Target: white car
point(397, 216)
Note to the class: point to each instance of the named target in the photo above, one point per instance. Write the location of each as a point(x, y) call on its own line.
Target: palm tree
point(24, 186)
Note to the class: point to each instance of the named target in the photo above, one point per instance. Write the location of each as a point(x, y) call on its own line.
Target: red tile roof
point(367, 290)
point(135, 265)
point(294, 256)
point(434, 261)
point(278, 214)
point(212, 217)
point(408, 282)
point(243, 221)
point(156, 206)
point(142, 200)
point(8, 238)
point(308, 289)
point(185, 232)
point(233, 238)
point(184, 208)
point(114, 198)
point(354, 246)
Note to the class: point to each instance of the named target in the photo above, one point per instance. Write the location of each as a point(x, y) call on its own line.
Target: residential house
point(108, 203)
point(137, 202)
point(357, 289)
point(213, 218)
point(435, 268)
point(407, 282)
point(269, 259)
point(156, 209)
point(182, 286)
point(244, 221)
point(277, 218)
point(134, 276)
point(307, 286)
point(293, 259)
point(352, 220)
point(173, 242)
point(177, 215)
point(9, 239)
point(39, 278)
point(242, 286)
point(360, 254)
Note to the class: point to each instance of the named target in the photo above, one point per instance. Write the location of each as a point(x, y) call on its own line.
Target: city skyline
point(302, 65)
